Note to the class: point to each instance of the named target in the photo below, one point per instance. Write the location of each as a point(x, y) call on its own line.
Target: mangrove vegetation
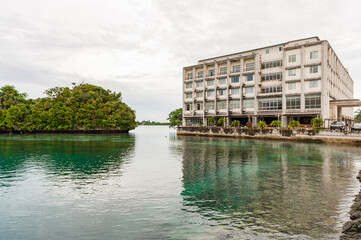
point(83, 107)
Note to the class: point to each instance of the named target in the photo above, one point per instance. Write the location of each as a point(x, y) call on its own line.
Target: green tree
point(262, 125)
point(358, 115)
point(276, 123)
point(9, 96)
point(293, 124)
point(175, 118)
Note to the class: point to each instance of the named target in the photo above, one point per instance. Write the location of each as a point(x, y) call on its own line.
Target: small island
point(83, 108)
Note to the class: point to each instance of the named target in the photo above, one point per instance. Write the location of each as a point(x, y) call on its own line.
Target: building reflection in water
point(284, 187)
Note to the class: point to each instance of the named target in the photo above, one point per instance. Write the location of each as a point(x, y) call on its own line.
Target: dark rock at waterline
point(352, 229)
point(352, 226)
point(359, 176)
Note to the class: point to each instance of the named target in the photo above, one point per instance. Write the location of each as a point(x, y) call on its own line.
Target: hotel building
point(296, 80)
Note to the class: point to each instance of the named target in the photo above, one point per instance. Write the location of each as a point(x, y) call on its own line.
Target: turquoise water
point(151, 184)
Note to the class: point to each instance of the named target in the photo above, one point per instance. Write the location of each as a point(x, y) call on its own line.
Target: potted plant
point(220, 122)
point(211, 121)
point(317, 124)
point(294, 124)
point(235, 123)
point(276, 123)
point(262, 125)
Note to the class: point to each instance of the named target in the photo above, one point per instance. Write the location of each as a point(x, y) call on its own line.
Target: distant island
point(81, 108)
point(148, 122)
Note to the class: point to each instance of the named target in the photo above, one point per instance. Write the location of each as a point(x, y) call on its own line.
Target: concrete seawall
point(275, 134)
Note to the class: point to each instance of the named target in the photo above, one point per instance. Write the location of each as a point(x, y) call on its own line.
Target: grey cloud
point(140, 47)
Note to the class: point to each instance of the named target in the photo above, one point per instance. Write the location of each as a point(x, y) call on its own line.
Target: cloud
point(140, 47)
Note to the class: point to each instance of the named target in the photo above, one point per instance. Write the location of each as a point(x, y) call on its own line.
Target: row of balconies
point(220, 74)
point(223, 74)
point(215, 111)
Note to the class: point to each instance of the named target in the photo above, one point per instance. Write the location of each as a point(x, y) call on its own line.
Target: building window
point(209, 105)
point(222, 81)
point(314, 69)
point(292, 86)
point(223, 71)
point(248, 103)
point(200, 74)
point(280, 49)
point(221, 92)
point(267, 51)
point(189, 85)
point(199, 84)
point(292, 58)
point(292, 72)
point(199, 106)
point(267, 104)
point(272, 89)
point(250, 66)
point(236, 68)
point(234, 90)
point(248, 89)
point(272, 76)
point(210, 82)
point(199, 94)
point(235, 80)
point(249, 78)
point(314, 84)
point(233, 104)
point(293, 102)
point(221, 105)
point(312, 101)
point(314, 55)
point(189, 75)
point(188, 95)
point(189, 107)
point(271, 64)
point(210, 93)
point(211, 72)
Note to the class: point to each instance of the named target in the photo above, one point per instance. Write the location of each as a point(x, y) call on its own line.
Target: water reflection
point(278, 188)
point(77, 158)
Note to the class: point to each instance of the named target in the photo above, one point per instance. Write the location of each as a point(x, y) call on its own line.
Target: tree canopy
point(175, 117)
point(82, 107)
point(358, 115)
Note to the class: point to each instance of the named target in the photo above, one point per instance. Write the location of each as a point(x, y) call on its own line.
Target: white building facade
point(296, 80)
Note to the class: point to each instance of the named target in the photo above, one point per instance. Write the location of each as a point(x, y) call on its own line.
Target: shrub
point(220, 121)
point(262, 124)
point(317, 122)
point(211, 121)
point(235, 123)
point(276, 123)
point(201, 124)
point(249, 124)
point(294, 124)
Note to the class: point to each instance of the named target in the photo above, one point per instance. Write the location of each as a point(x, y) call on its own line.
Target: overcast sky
point(140, 47)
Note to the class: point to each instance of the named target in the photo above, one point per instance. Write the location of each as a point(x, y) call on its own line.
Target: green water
point(150, 184)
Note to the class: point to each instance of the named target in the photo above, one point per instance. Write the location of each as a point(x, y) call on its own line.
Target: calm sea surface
point(151, 184)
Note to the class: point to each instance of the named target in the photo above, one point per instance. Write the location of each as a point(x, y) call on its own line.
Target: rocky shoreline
point(352, 228)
